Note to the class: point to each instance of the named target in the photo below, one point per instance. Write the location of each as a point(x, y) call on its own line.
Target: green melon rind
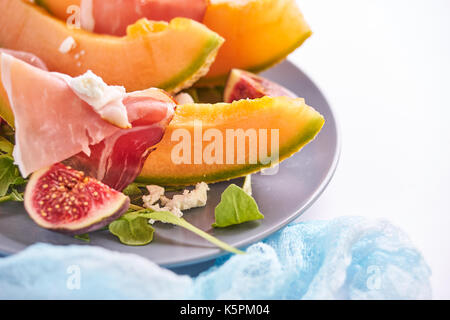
point(220, 80)
point(197, 69)
point(306, 135)
point(42, 4)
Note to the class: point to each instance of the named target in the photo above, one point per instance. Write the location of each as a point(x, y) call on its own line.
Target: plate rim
point(214, 253)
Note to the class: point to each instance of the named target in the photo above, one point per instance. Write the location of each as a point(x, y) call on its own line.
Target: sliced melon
point(123, 12)
point(296, 122)
point(170, 56)
point(258, 34)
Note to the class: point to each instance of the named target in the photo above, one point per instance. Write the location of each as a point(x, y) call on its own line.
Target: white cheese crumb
point(105, 100)
point(183, 98)
point(67, 45)
point(187, 200)
point(155, 193)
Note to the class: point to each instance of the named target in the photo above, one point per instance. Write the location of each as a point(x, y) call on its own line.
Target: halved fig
point(242, 85)
point(62, 199)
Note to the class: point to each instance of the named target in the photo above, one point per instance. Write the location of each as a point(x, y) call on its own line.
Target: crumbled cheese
point(67, 45)
point(183, 98)
point(155, 193)
point(187, 200)
point(105, 100)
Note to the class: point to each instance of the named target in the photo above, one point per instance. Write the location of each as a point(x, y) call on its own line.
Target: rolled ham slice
point(54, 124)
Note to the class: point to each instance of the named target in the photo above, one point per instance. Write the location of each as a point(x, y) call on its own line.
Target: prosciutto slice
point(54, 124)
point(118, 159)
point(26, 57)
point(113, 16)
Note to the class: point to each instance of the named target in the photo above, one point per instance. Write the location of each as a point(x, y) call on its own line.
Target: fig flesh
point(246, 85)
point(62, 199)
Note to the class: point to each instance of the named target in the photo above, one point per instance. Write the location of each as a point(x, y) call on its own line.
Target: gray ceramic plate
point(281, 197)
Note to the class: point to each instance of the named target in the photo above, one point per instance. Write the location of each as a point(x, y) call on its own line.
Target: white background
point(384, 66)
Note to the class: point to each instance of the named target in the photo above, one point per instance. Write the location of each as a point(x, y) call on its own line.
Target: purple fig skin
point(117, 206)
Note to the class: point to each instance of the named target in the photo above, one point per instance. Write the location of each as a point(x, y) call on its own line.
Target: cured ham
point(113, 16)
point(30, 58)
point(54, 124)
point(26, 57)
point(51, 122)
point(118, 159)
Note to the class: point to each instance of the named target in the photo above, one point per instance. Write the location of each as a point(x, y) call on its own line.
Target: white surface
point(385, 68)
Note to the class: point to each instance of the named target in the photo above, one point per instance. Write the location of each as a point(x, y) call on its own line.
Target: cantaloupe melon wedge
point(170, 56)
point(258, 34)
point(114, 16)
point(297, 124)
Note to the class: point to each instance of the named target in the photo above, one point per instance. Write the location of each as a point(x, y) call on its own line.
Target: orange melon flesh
point(297, 123)
point(170, 56)
point(258, 34)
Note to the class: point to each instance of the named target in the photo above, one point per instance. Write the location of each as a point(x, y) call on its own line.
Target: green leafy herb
point(134, 193)
point(6, 147)
point(13, 196)
point(7, 133)
point(210, 94)
point(131, 230)
point(83, 237)
point(9, 175)
point(236, 207)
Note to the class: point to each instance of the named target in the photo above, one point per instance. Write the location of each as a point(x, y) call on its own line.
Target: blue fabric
point(344, 258)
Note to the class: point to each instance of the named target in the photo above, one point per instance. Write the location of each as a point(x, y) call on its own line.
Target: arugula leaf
point(134, 193)
point(6, 146)
point(132, 229)
point(83, 237)
point(9, 174)
point(128, 235)
point(236, 207)
point(7, 132)
point(13, 196)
